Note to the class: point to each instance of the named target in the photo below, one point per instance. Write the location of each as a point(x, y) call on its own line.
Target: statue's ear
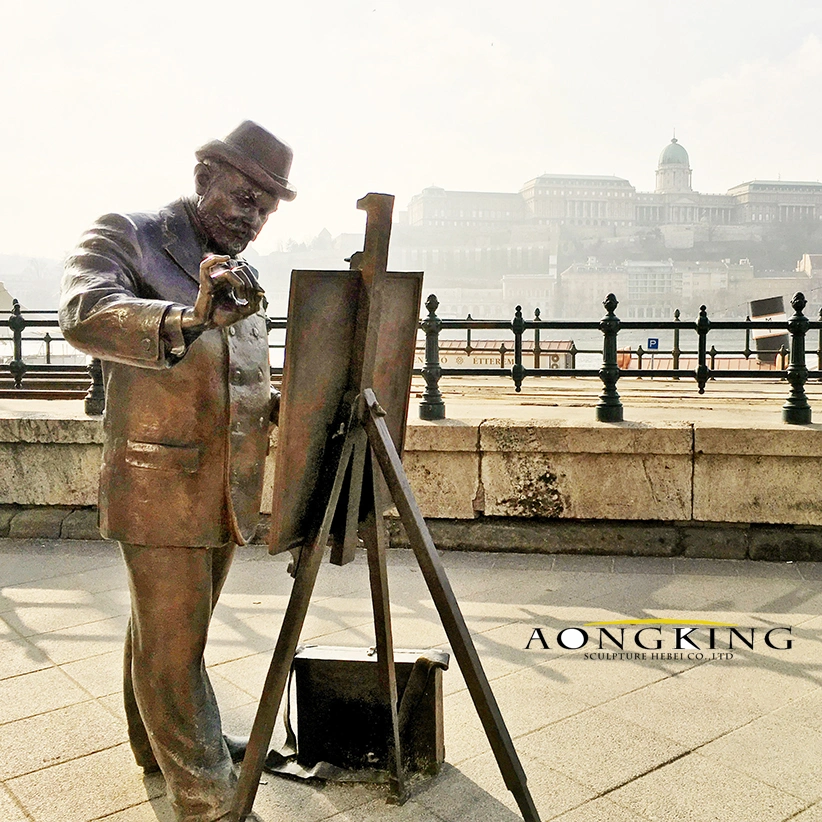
point(202, 178)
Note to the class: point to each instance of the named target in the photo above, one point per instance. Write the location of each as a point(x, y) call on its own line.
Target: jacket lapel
point(180, 239)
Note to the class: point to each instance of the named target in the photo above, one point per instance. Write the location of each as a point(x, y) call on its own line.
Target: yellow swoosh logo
point(663, 622)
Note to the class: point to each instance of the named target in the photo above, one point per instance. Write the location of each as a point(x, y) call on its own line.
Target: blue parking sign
point(653, 343)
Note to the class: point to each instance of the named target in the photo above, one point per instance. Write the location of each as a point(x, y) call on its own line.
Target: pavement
point(604, 735)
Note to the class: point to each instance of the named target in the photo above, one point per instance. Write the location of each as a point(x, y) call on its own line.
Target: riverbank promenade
point(605, 735)
point(653, 688)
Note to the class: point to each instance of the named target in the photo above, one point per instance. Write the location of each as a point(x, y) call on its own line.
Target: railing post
point(537, 350)
point(640, 352)
point(432, 406)
point(713, 352)
point(675, 349)
point(573, 352)
point(518, 369)
point(468, 348)
point(95, 402)
point(17, 323)
point(819, 345)
point(609, 408)
point(47, 341)
point(703, 325)
point(747, 352)
point(796, 410)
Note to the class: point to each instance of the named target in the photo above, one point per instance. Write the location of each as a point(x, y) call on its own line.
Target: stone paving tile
point(781, 754)
point(678, 710)
point(113, 703)
point(812, 814)
point(379, 811)
point(596, 682)
point(283, 800)
point(10, 811)
point(99, 675)
point(156, 810)
point(83, 641)
point(19, 656)
point(770, 570)
point(228, 695)
point(87, 788)
point(56, 736)
point(663, 566)
point(805, 711)
point(695, 789)
point(763, 683)
point(598, 749)
point(247, 673)
point(43, 610)
point(553, 792)
point(707, 567)
point(458, 798)
point(585, 564)
point(600, 810)
point(37, 692)
point(526, 701)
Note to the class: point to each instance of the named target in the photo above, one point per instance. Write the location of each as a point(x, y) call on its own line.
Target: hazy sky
point(103, 103)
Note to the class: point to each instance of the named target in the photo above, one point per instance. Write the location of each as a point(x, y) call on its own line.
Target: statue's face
point(233, 209)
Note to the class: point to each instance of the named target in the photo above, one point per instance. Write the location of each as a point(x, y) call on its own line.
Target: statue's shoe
point(236, 746)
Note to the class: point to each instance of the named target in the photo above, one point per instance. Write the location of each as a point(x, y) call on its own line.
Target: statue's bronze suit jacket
point(185, 439)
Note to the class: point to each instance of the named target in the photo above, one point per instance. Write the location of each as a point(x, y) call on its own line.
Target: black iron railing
point(48, 380)
point(796, 409)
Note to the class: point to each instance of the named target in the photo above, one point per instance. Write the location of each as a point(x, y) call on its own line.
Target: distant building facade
point(562, 199)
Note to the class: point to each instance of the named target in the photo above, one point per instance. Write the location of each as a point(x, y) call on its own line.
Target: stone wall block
point(553, 470)
point(82, 523)
point(49, 473)
point(31, 523)
point(785, 544)
point(445, 483)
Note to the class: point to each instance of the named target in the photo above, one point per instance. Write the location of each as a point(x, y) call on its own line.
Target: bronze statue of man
point(176, 319)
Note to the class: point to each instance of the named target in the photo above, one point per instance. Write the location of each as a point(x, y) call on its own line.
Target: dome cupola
point(673, 173)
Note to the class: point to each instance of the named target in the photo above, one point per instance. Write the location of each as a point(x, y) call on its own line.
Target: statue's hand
point(229, 292)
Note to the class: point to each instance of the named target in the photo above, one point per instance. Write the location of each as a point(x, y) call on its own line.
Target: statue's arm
point(101, 312)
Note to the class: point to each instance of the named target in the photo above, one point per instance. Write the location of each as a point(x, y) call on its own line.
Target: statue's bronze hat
point(260, 155)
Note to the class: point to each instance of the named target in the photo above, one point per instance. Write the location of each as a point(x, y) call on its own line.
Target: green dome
point(674, 155)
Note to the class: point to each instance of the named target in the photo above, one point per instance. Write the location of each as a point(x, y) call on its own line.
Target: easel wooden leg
point(275, 682)
point(448, 609)
point(373, 534)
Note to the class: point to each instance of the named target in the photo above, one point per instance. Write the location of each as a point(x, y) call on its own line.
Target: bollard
point(609, 408)
point(518, 369)
point(95, 401)
point(432, 406)
point(703, 326)
point(796, 410)
point(17, 323)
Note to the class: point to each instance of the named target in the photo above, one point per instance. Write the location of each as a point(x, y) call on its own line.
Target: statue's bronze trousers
point(173, 719)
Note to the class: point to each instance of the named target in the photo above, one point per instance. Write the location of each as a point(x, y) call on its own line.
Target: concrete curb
point(774, 543)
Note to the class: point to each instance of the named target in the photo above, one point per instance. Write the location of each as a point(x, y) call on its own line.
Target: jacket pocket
point(161, 457)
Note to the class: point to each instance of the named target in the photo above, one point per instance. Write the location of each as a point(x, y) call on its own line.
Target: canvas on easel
point(345, 400)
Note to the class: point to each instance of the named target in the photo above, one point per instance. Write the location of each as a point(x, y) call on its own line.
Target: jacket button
point(254, 332)
point(147, 344)
point(232, 330)
point(260, 374)
point(236, 376)
point(262, 422)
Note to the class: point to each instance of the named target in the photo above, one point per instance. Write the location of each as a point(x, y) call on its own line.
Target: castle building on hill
point(589, 200)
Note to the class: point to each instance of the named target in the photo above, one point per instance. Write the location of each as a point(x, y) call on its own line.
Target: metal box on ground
point(342, 717)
